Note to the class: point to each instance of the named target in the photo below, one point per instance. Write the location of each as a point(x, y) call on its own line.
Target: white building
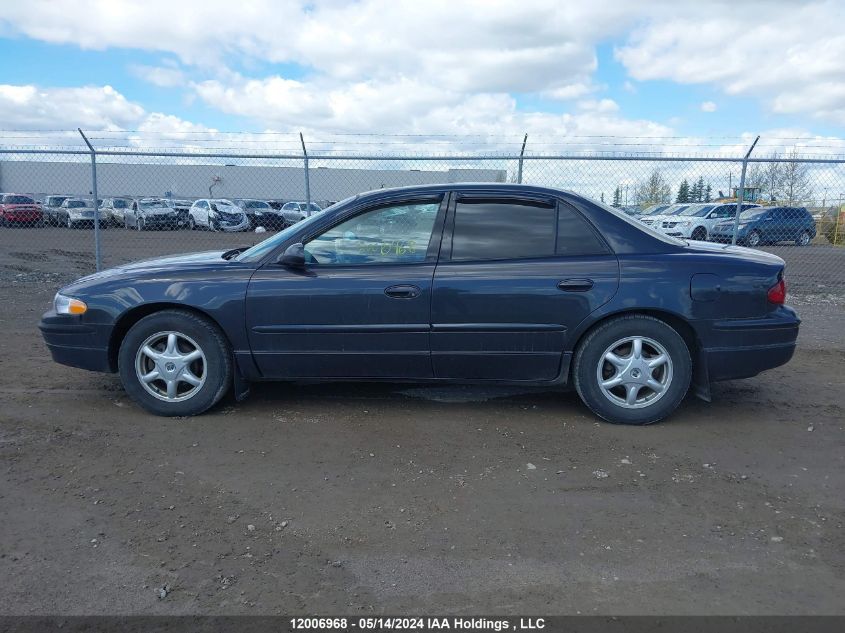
point(137, 179)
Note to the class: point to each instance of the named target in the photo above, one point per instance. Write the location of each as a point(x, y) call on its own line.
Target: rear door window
point(487, 229)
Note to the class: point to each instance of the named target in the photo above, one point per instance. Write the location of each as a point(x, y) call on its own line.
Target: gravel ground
point(399, 498)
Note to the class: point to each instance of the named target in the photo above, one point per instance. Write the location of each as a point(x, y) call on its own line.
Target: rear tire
point(657, 370)
point(201, 382)
point(803, 239)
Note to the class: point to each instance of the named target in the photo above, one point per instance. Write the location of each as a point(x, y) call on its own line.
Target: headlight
point(68, 305)
point(742, 225)
point(683, 224)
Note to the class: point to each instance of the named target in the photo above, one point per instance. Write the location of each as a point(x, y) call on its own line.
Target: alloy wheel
point(171, 366)
point(634, 372)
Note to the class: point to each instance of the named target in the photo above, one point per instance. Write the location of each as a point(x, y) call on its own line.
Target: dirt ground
point(397, 498)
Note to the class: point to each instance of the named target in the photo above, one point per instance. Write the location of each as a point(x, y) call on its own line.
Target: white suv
point(696, 221)
point(217, 214)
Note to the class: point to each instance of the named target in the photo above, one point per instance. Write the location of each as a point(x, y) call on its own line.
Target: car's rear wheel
point(632, 370)
point(175, 363)
point(803, 239)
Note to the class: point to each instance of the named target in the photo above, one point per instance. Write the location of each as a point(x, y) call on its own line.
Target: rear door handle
point(575, 285)
point(402, 291)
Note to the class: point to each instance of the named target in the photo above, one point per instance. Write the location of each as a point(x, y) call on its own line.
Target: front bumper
point(76, 344)
point(22, 216)
point(741, 348)
point(233, 226)
point(165, 220)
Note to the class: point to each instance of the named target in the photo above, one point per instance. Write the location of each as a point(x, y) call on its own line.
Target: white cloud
point(787, 53)
point(161, 76)
point(708, 106)
point(28, 107)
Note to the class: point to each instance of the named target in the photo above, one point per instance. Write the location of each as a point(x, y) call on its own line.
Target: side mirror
point(293, 257)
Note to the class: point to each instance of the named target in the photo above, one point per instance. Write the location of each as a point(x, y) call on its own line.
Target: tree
point(653, 190)
point(766, 176)
point(697, 193)
point(794, 179)
point(683, 192)
point(708, 193)
point(617, 197)
point(694, 193)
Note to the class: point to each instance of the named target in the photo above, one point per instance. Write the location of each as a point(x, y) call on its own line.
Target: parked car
point(696, 221)
point(217, 215)
point(50, 209)
point(152, 213)
point(769, 225)
point(260, 213)
point(76, 211)
point(656, 217)
point(294, 212)
point(183, 211)
point(471, 282)
point(114, 209)
point(21, 210)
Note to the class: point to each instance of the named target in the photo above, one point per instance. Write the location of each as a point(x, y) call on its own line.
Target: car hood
point(748, 254)
point(172, 264)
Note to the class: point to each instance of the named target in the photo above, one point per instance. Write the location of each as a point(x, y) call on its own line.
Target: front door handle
point(402, 291)
point(575, 285)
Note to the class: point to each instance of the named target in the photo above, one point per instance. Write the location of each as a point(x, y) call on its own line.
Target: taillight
point(777, 293)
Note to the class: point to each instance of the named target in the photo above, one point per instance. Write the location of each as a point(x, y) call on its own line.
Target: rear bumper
point(76, 344)
point(741, 348)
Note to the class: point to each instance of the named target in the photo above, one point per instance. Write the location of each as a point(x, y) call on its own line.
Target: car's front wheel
point(753, 239)
point(175, 363)
point(632, 370)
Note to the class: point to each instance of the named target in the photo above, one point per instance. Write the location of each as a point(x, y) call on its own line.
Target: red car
point(20, 209)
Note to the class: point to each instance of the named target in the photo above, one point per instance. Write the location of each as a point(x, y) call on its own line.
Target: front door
point(516, 275)
point(361, 307)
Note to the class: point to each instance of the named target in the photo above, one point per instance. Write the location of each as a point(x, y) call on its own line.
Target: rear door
point(516, 275)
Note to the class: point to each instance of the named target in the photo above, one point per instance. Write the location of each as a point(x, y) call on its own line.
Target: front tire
point(753, 239)
point(632, 370)
point(175, 363)
point(699, 234)
point(803, 239)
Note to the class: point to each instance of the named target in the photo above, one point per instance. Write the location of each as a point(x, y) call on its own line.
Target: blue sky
point(377, 67)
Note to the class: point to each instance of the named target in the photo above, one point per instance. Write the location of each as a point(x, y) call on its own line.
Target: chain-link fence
point(153, 203)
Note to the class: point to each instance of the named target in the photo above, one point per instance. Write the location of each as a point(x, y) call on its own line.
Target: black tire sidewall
point(208, 337)
point(591, 349)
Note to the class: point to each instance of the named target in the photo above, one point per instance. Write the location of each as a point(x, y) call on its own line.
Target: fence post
point(740, 198)
point(307, 181)
point(521, 154)
point(97, 258)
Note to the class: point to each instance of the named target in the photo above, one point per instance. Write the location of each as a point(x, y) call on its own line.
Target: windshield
point(120, 204)
point(54, 201)
point(752, 213)
point(228, 205)
point(78, 204)
point(639, 225)
point(698, 211)
point(262, 248)
point(17, 200)
point(256, 204)
point(656, 210)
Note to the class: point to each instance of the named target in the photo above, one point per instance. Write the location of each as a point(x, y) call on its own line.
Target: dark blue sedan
point(477, 282)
